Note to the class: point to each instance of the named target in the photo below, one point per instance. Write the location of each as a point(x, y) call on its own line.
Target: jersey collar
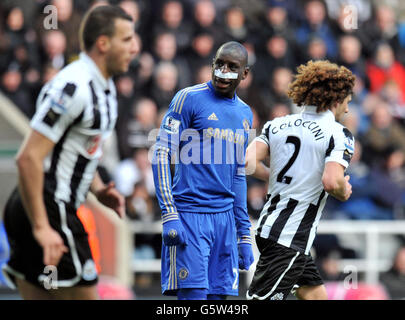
point(312, 110)
point(105, 83)
point(209, 83)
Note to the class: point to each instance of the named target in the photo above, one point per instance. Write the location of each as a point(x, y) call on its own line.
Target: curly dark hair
point(321, 84)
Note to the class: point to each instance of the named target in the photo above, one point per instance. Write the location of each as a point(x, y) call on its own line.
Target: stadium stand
point(178, 39)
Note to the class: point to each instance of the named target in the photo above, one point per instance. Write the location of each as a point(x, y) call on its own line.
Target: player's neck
point(100, 63)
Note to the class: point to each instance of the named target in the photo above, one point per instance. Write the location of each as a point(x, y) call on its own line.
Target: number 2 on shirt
point(281, 177)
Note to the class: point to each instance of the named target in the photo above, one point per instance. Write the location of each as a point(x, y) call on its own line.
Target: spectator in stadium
point(387, 176)
point(165, 50)
point(276, 53)
point(385, 67)
point(69, 22)
point(316, 24)
point(277, 22)
point(350, 55)
point(173, 20)
point(202, 218)
point(381, 28)
point(316, 49)
point(255, 197)
point(201, 51)
point(391, 94)
point(348, 18)
point(300, 162)
point(203, 74)
point(133, 9)
point(126, 93)
point(40, 216)
point(235, 25)
point(13, 87)
point(164, 84)
point(364, 204)
point(135, 129)
point(204, 21)
point(276, 92)
point(278, 110)
point(394, 279)
point(133, 170)
point(383, 131)
point(250, 93)
point(54, 48)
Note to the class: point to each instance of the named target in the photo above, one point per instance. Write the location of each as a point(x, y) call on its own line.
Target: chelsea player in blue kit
point(206, 228)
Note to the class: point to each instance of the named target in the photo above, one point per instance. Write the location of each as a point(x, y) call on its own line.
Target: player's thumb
point(347, 178)
point(111, 185)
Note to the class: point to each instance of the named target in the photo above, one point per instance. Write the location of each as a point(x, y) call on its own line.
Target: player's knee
point(192, 294)
point(312, 293)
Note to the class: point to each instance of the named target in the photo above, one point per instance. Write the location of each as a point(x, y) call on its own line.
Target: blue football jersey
point(205, 135)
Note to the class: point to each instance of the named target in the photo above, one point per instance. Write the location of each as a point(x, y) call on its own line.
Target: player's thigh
point(29, 291)
point(223, 269)
point(276, 271)
point(312, 293)
point(310, 284)
point(75, 293)
point(187, 266)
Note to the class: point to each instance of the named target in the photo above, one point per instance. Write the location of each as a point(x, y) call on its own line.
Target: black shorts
point(75, 268)
point(279, 269)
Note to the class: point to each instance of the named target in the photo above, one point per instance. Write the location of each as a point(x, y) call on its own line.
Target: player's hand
point(52, 245)
point(110, 197)
point(348, 188)
point(246, 257)
point(174, 233)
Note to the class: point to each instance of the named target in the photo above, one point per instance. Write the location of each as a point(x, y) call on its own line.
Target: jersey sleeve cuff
point(169, 217)
point(344, 163)
point(45, 131)
point(260, 139)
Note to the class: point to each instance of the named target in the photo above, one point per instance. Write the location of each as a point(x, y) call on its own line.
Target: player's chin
point(223, 87)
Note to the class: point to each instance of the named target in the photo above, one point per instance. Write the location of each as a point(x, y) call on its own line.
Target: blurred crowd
point(178, 39)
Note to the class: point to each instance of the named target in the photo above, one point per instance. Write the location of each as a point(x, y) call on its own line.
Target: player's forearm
point(31, 182)
point(336, 188)
point(97, 184)
point(242, 222)
point(258, 170)
point(163, 182)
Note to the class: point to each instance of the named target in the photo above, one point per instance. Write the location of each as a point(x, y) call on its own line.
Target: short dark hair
point(99, 21)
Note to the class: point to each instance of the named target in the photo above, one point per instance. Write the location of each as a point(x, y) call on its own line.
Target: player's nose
point(134, 47)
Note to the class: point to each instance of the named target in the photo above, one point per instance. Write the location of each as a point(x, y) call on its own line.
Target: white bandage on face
point(229, 75)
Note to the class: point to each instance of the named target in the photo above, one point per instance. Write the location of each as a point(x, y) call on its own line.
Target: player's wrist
point(245, 239)
point(170, 216)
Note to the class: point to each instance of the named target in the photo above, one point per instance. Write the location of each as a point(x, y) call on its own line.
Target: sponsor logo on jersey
point(278, 296)
point(172, 233)
point(89, 270)
point(246, 125)
point(93, 144)
point(171, 125)
point(213, 116)
point(349, 144)
point(183, 273)
point(226, 134)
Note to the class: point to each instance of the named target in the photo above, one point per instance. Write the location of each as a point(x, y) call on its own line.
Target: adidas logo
point(213, 117)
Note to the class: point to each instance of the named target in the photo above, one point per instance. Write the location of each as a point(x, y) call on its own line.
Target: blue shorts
point(209, 261)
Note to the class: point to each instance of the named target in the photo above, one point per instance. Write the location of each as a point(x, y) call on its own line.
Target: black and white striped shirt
point(77, 110)
point(300, 145)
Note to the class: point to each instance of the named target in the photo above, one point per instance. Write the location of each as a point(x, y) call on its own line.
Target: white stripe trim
point(72, 249)
point(172, 273)
point(7, 270)
point(255, 296)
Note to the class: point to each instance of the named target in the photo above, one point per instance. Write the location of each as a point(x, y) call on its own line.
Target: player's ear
point(245, 72)
point(103, 43)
